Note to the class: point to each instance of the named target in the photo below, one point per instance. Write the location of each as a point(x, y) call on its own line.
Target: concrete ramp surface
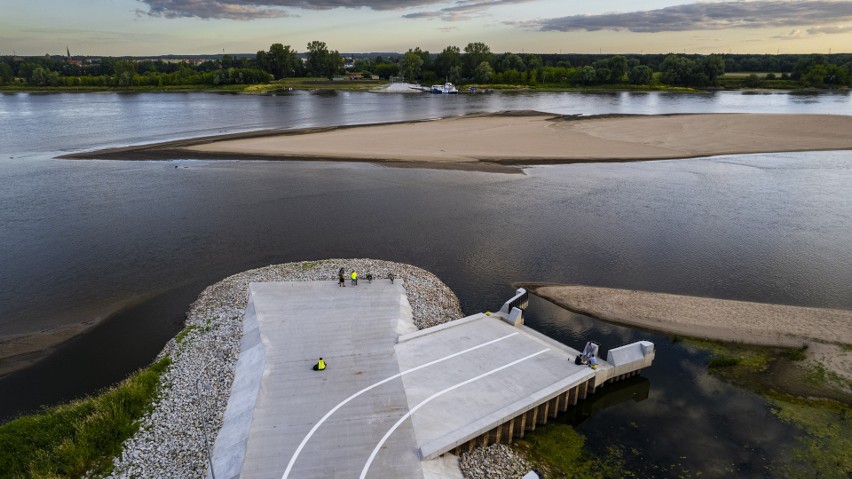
point(392, 397)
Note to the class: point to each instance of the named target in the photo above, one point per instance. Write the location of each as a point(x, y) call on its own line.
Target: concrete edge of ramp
point(230, 446)
point(460, 436)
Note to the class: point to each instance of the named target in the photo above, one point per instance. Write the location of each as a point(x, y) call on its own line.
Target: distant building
point(70, 60)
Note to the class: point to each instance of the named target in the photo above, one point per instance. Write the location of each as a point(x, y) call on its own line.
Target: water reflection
point(675, 420)
point(79, 238)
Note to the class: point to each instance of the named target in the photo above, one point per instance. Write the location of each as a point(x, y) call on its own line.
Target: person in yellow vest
point(354, 277)
point(320, 365)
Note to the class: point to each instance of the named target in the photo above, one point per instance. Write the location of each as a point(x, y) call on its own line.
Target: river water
point(139, 240)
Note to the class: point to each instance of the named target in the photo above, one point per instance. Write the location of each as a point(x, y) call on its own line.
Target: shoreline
point(827, 333)
point(20, 350)
point(507, 141)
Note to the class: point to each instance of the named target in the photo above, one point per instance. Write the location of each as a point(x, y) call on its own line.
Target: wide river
point(137, 241)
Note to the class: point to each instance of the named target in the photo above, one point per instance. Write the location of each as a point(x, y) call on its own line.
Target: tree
point(281, 61)
point(617, 66)
point(43, 77)
point(361, 65)
point(752, 81)
point(483, 72)
point(585, 75)
point(424, 56)
point(814, 76)
point(640, 75)
point(474, 55)
point(385, 70)
point(712, 67)
point(448, 59)
point(317, 60)
point(321, 62)
point(455, 74)
point(677, 70)
point(511, 61)
point(602, 74)
point(411, 64)
point(333, 64)
point(835, 76)
point(6, 74)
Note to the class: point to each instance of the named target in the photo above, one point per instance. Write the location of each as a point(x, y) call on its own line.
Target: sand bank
point(708, 318)
point(23, 350)
point(518, 138)
point(825, 331)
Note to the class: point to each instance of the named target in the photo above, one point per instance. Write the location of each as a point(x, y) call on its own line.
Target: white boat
point(445, 88)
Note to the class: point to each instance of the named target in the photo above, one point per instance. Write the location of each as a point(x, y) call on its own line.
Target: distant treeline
point(475, 64)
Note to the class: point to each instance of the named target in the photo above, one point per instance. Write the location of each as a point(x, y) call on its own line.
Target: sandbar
point(491, 141)
point(23, 350)
point(826, 332)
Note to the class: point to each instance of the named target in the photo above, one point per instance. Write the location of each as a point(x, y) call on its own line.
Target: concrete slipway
point(393, 399)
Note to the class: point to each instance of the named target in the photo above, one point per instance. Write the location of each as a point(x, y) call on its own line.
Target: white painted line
point(375, 385)
point(437, 394)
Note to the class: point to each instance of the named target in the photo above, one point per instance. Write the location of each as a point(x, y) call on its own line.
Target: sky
point(181, 27)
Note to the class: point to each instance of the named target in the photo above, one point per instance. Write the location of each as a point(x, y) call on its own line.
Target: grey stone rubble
point(497, 461)
point(172, 439)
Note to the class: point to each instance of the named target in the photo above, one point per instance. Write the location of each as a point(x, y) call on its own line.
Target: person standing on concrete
point(320, 365)
point(341, 278)
point(354, 277)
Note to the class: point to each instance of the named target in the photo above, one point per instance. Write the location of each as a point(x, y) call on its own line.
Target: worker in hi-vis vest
point(320, 365)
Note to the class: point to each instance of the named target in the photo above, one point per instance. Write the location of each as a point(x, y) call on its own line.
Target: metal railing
point(520, 300)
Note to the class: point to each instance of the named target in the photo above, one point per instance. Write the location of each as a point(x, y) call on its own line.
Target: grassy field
point(80, 438)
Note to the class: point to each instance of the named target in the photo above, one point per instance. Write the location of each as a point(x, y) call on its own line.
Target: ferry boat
point(445, 88)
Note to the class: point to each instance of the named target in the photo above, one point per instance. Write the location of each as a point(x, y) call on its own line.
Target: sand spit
point(826, 332)
point(492, 141)
point(708, 318)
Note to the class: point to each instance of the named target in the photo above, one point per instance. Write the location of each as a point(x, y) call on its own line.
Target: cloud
point(210, 9)
point(252, 9)
point(795, 34)
point(464, 10)
point(830, 30)
point(706, 16)
point(798, 34)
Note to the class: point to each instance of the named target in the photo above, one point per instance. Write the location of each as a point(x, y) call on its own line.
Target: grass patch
point(559, 452)
point(185, 332)
point(80, 438)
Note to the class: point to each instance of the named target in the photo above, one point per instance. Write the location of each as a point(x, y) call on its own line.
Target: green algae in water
point(559, 451)
point(825, 448)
